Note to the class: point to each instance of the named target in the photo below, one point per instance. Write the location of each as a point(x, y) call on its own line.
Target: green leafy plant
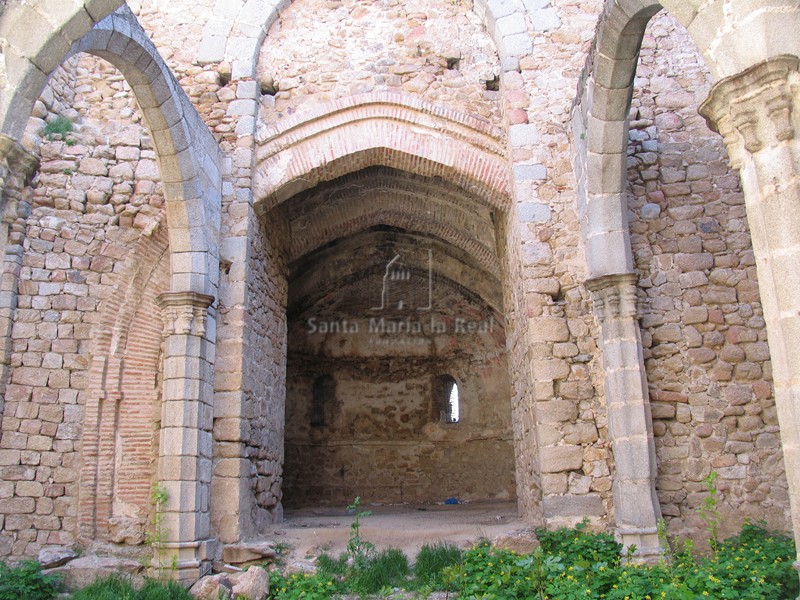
point(493, 573)
point(26, 580)
point(579, 544)
point(571, 564)
point(663, 539)
point(361, 569)
point(709, 512)
point(157, 535)
point(60, 126)
point(318, 586)
point(357, 548)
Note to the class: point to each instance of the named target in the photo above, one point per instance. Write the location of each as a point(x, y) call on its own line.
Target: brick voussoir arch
point(187, 153)
point(391, 105)
point(380, 129)
point(366, 217)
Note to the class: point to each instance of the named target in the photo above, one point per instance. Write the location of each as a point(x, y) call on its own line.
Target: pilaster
point(630, 429)
point(186, 439)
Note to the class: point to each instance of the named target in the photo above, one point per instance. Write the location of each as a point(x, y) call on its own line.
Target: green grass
point(387, 569)
point(119, 587)
point(429, 569)
point(366, 574)
point(113, 587)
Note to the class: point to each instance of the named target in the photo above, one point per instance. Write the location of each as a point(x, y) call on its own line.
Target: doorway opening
point(397, 386)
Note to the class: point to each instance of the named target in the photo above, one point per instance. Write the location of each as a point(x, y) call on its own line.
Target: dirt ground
point(309, 532)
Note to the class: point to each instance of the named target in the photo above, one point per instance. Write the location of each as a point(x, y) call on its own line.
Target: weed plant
point(571, 564)
point(26, 580)
point(57, 128)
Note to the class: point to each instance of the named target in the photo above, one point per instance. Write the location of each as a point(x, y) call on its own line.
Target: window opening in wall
point(452, 406)
point(446, 399)
point(323, 395)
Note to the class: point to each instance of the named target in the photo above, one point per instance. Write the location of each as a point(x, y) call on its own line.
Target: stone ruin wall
point(705, 343)
point(568, 408)
point(267, 356)
point(386, 445)
point(96, 212)
point(706, 352)
point(321, 51)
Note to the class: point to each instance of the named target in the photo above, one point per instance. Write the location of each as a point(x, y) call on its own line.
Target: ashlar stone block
point(555, 459)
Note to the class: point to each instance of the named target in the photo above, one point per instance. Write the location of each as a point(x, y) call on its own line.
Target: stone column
point(758, 114)
point(184, 468)
point(630, 427)
point(17, 166)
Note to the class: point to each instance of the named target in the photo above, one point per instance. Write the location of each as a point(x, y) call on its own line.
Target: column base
point(646, 542)
point(185, 562)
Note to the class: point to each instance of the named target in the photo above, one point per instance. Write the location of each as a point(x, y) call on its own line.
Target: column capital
point(613, 296)
point(184, 313)
point(753, 109)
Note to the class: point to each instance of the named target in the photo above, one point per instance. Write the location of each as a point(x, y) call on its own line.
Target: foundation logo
point(402, 291)
point(403, 312)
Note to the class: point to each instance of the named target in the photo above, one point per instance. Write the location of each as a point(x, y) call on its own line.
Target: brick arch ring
point(370, 198)
point(380, 129)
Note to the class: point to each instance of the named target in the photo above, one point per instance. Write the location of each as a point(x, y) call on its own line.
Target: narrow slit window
point(447, 401)
point(452, 414)
point(323, 396)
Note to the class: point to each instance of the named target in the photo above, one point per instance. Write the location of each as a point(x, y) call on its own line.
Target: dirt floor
point(309, 532)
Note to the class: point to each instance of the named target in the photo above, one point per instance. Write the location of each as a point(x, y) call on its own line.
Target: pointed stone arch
point(188, 156)
point(600, 131)
point(189, 163)
point(39, 37)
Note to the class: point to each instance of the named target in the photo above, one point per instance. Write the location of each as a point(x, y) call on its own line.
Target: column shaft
point(184, 467)
point(630, 428)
